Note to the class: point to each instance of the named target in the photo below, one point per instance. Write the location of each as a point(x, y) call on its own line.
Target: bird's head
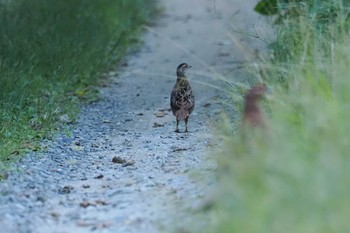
point(256, 92)
point(180, 71)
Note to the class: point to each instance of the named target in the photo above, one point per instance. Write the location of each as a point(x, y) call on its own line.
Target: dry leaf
point(66, 189)
point(86, 204)
point(117, 159)
point(128, 163)
point(160, 114)
point(156, 124)
point(100, 202)
point(98, 176)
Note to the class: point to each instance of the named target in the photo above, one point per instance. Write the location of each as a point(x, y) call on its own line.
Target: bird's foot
point(177, 131)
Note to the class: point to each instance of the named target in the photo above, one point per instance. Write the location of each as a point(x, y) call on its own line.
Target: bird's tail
point(182, 114)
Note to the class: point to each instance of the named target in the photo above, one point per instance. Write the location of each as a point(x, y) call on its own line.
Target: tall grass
point(53, 53)
point(294, 175)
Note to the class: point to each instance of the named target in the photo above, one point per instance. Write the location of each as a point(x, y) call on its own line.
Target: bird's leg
point(177, 126)
point(186, 120)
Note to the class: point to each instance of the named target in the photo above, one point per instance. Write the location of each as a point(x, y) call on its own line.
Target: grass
point(52, 55)
point(293, 176)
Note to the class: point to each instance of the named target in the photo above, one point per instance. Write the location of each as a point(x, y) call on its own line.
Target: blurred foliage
point(293, 17)
point(292, 175)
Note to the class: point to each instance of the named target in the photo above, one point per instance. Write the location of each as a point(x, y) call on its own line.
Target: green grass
point(294, 176)
point(52, 55)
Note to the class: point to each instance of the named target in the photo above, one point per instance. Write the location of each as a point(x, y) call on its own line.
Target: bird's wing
point(189, 101)
point(174, 101)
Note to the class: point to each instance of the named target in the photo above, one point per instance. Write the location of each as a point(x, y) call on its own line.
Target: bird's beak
point(189, 67)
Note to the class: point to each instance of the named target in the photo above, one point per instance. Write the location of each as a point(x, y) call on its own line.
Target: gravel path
point(158, 176)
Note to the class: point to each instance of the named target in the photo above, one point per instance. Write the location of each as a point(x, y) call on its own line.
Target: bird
point(182, 98)
point(252, 114)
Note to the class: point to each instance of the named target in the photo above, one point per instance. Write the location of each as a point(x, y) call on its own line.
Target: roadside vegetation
point(52, 56)
point(293, 175)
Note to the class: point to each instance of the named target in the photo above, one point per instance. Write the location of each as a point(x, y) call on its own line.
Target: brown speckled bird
point(252, 114)
point(182, 98)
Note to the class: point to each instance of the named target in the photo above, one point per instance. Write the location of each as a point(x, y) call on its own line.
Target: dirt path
point(75, 186)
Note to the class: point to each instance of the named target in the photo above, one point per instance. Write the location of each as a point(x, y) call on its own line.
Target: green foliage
point(52, 54)
point(267, 7)
point(292, 176)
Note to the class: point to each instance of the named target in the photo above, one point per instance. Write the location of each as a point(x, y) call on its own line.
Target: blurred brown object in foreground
point(252, 114)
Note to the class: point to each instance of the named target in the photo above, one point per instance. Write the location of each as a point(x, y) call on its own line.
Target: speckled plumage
point(182, 98)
